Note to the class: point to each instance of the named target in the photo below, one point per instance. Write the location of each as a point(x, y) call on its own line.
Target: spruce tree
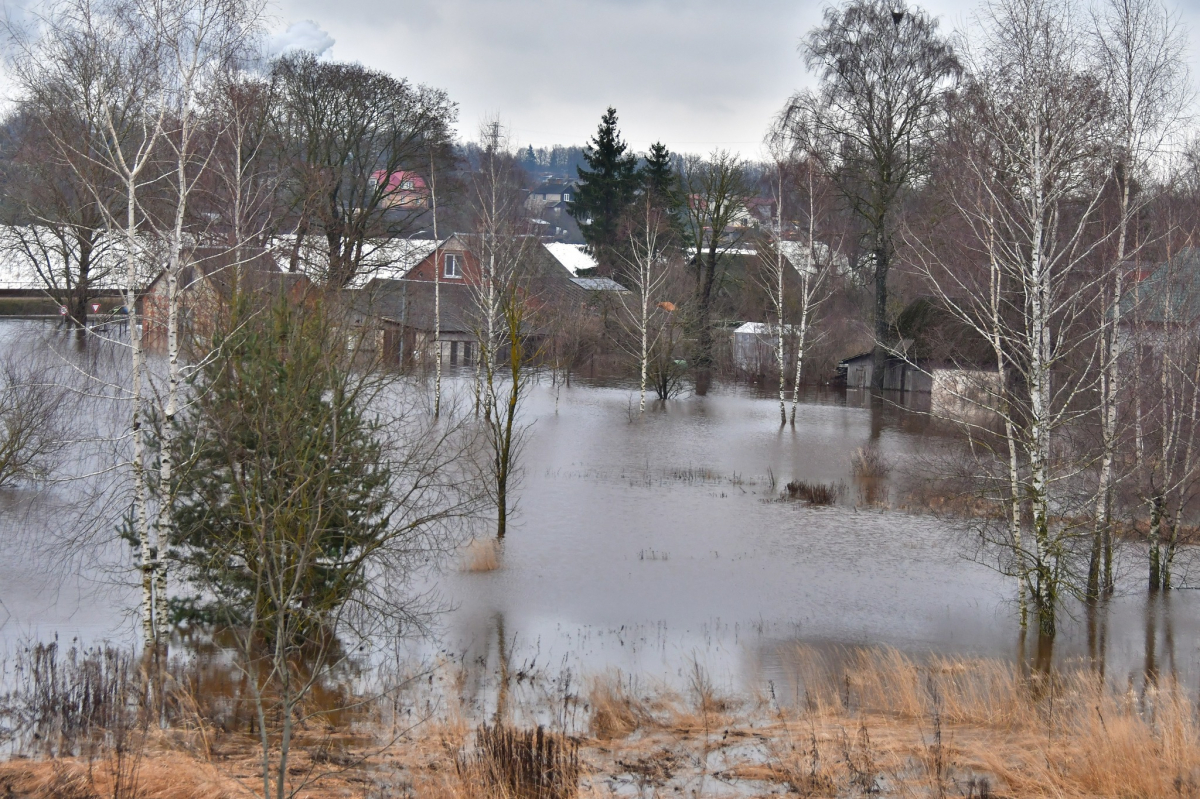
point(606, 188)
point(657, 176)
point(282, 470)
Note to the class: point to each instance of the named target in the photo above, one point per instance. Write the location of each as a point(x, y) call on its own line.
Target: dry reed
point(869, 462)
point(850, 722)
point(813, 493)
point(615, 711)
point(523, 764)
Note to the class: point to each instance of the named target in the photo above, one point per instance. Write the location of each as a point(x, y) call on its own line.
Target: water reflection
point(647, 543)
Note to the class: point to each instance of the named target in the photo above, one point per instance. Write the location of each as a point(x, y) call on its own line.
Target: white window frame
point(451, 266)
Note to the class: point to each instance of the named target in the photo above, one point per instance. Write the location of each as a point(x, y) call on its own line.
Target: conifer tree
point(659, 181)
point(657, 177)
point(606, 189)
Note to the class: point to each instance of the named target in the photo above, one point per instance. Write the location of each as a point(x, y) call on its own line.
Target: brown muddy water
point(654, 544)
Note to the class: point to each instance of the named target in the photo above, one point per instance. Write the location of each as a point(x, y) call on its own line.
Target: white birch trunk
point(437, 297)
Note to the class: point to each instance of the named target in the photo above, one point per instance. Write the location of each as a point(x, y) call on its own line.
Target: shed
point(753, 345)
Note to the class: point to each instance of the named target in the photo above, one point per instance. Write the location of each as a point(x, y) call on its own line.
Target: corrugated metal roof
point(598, 284)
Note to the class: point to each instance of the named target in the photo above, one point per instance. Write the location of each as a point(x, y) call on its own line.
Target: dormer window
point(453, 267)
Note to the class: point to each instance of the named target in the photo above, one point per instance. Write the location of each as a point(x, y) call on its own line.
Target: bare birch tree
point(1030, 146)
point(1140, 47)
point(199, 43)
point(100, 61)
point(783, 260)
point(507, 306)
point(648, 269)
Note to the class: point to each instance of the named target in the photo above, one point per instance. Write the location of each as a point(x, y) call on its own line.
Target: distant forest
point(556, 161)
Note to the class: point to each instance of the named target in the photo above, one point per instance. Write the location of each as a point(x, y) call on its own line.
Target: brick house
point(207, 279)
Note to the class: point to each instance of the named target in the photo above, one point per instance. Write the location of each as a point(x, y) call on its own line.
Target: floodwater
point(649, 544)
point(654, 543)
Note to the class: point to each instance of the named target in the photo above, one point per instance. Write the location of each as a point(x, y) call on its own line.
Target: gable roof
point(397, 180)
point(386, 259)
point(573, 257)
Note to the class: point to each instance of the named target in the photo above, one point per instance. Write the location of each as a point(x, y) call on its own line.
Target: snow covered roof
point(759, 329)
point(799, 255)
point(745, 251)
point(386, 259)
point(572, 256)
point(33, 258)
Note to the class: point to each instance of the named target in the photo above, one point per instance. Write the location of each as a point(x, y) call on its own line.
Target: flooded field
point(652, 544)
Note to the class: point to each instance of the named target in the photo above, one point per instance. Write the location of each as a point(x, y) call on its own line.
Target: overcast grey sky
point(696, 74)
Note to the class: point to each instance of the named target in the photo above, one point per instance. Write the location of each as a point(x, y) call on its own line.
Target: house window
point(453, 268)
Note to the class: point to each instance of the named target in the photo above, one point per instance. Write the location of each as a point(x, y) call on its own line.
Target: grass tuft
point(813, 493)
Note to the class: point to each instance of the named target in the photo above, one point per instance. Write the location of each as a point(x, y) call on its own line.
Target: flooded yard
point(652, 544)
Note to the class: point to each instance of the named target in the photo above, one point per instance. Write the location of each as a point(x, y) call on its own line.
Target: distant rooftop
point(598, 284)
point(574, 257)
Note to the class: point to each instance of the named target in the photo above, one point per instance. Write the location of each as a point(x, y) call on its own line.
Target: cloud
point(695, 74)
point(303, 35)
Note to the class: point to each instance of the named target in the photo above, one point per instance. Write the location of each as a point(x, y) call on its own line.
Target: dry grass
point(1063, 736)
point(869, 462)
point(481, 555)
point(161, 776)
point(847, 723)
point(615, 711)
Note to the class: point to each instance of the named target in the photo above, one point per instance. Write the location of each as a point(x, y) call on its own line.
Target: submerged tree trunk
point(704, 333)
point(879, 354)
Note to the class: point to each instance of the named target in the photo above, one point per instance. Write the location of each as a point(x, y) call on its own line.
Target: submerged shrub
point(813, 493)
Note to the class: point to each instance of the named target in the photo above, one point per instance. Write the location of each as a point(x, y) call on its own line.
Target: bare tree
point(32, 418)
point(200, 42)
point(1028, 142)
point(508, 309)
point(714, 192)
point(1140, 47)
point(54, 225)
point(98, 62)
point(783, 261)
point(884, 69)
point(348, 134)
point(649, 267)
point(136, 74)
